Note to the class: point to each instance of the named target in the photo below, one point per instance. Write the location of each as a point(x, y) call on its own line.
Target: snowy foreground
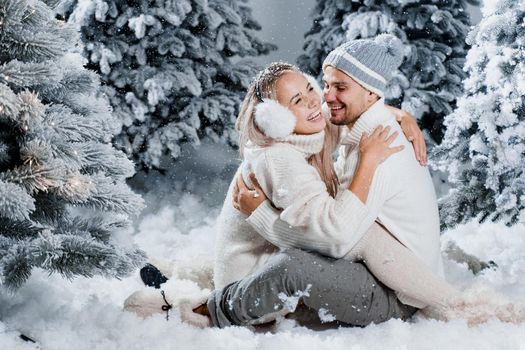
point(87, 313)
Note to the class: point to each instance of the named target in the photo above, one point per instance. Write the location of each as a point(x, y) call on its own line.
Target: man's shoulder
point(380, 114)
point(402, 167)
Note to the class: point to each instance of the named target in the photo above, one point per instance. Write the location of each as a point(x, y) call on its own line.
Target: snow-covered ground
point(87, 313)
point(179, 225)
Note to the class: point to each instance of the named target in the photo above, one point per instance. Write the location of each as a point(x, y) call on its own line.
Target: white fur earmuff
point(275, 120)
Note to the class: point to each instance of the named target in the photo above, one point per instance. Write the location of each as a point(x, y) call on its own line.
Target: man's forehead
point(333, 75)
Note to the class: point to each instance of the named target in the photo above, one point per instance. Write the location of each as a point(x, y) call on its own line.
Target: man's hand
point(412, 132)
point(414, 135)
point(244, 199)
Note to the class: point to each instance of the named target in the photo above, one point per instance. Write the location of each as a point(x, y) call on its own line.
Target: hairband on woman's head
point(258, 91)
point(271, 70)
point(258, 87)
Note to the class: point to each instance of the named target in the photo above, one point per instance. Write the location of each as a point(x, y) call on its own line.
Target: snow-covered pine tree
point(175, 70)
point(484, 145)
point(434, 31)
point(63, 195)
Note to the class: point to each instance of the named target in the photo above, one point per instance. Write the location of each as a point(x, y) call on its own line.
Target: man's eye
point(311, 88)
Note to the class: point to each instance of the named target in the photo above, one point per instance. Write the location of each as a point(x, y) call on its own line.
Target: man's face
point(345, 98)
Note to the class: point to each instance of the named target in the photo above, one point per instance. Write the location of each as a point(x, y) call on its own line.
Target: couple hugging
point(357, 241)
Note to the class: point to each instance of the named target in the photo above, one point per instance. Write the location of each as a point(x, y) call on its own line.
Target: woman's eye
point(298, 101)
point(310, 89)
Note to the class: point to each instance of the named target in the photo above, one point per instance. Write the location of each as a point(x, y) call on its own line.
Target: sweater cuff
point(263, 217)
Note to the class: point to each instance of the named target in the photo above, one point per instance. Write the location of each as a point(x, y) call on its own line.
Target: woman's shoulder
point(277, 150)
point(275, 155)
point(280, 157)
point(285, 152)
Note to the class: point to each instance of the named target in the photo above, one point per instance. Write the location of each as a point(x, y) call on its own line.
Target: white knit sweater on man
point(295, 186)
point(401, 198)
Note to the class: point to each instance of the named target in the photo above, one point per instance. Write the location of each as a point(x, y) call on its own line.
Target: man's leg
point(346, 290)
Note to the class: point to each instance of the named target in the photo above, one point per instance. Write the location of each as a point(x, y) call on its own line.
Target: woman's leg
point(399, 268)
point(341, 288)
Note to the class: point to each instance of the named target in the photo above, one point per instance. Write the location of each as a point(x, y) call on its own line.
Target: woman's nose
point(313, 100)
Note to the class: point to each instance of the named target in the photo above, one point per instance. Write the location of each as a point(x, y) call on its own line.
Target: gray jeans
point(340, 288)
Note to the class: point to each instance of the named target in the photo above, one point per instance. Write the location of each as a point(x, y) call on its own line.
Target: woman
point(281, 127)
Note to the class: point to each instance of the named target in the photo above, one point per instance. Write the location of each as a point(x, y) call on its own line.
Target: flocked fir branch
point(175, 71)
point(63, 195)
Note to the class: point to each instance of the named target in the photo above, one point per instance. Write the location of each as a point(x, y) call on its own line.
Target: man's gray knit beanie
point(370, 62)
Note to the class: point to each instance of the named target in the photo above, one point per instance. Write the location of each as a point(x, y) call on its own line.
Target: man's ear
point(371, 97)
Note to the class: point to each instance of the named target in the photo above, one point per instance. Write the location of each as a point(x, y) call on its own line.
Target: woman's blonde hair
point(264, 87)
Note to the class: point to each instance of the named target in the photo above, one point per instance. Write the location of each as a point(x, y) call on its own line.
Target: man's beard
point(355, 110)
point(344, 120)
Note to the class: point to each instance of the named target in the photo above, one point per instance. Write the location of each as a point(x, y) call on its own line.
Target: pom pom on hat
point(393, 46)
point(275, 120)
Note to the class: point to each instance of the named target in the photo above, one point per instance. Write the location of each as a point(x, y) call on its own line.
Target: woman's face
point(295, 92)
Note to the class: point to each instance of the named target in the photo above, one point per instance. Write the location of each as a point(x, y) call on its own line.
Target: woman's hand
point(244, 199)
point(375, 149)
point(412, 132)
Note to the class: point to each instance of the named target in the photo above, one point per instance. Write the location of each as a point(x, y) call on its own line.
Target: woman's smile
point(315, 117)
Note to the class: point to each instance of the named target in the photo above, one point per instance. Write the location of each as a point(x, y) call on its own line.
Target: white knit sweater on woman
point(295, 187)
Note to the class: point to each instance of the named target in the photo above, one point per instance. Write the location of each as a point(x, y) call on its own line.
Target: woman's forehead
point(291, 80)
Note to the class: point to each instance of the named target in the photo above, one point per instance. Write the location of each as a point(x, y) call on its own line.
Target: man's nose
point(329, 95)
